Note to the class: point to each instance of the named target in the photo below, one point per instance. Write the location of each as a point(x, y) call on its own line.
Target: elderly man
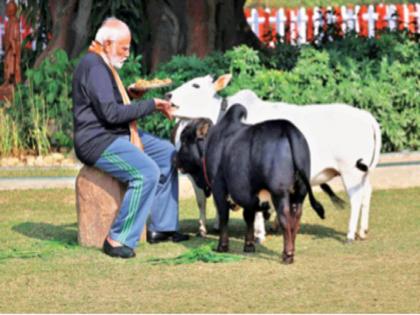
point(102, 139)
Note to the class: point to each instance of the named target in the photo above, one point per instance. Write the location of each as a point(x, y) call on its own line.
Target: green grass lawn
point(43, 270)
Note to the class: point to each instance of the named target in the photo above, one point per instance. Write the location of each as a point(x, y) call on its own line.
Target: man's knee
point(171, 147)
point(152, 174)
point(148, 175)
point(171, 151)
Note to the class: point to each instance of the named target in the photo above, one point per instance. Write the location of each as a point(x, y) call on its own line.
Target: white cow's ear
point(222, 82)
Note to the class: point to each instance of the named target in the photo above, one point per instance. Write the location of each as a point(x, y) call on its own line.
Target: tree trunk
point(62, 13)
point(198, 40)
point(232, 29)
point(80, 27)
point(171, 27)
point(194, 27)
point(167, 30)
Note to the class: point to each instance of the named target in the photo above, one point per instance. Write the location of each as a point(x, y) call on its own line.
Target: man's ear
point(107, 45)
point(203, 128)
point(222, 82)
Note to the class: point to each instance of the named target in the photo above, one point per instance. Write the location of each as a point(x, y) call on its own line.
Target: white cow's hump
point(249, 97)
point(245, 97)
point(305, 116)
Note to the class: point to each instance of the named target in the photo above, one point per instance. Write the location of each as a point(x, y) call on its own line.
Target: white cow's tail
point(337, 201)
point(361, 166)
point(377, 142)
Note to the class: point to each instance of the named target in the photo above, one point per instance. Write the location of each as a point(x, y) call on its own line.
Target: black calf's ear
point(203, 128)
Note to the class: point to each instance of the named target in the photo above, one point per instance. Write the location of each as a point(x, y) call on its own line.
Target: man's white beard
point(116, 62)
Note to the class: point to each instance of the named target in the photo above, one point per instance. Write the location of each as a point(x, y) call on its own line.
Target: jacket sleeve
point(100, 91)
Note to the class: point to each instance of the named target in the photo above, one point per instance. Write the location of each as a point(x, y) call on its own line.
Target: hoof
point(222, 248)
point(201, 234)
point(249, 248)
point(287, 259)
point(349, 241)
point(215, 230)
point(259, 240)
point(361, 236)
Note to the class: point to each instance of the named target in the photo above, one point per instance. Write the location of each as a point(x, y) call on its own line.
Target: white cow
point(343, 140)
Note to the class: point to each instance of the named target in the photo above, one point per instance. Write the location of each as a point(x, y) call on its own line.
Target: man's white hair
point(111, 29)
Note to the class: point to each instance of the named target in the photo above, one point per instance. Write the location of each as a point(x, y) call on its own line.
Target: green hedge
point(379, 75)
point(40, 117)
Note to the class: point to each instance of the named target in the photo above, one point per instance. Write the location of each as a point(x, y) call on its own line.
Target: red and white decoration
point(302, 25)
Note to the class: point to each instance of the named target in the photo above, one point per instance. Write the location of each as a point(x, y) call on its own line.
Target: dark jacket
point(99, 114)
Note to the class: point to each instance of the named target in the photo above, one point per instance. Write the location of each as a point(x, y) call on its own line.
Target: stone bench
point(98, 198)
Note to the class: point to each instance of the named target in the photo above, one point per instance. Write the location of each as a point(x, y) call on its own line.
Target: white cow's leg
point(354, 184)
point(367, 194)
point(259, 227)
point(200, 197)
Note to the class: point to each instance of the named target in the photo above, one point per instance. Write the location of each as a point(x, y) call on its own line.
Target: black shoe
point(157, 237)
point(118, 251)
point(178, 237)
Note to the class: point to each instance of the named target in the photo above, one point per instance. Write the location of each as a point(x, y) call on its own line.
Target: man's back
point(99, 114)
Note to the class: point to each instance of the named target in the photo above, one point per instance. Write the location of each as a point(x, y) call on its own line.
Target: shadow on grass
point(236, 239)
point(237, 229)
point(320, 232)
point(53, 240)
point(65, 234)
point(237, 233)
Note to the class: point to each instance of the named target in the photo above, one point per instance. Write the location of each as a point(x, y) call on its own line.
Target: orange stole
point(97, 48)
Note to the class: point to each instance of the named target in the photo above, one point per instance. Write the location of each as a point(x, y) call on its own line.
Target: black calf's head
point(189, 158)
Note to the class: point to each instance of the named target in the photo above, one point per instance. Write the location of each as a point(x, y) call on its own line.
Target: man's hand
point(164, 107)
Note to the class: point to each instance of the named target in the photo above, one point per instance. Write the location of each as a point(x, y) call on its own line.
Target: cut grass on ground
point(43, 270)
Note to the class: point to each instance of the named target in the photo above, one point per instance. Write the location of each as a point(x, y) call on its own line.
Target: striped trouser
point(152, 186)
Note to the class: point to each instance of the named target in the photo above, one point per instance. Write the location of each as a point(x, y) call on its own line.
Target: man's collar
point(97, 48)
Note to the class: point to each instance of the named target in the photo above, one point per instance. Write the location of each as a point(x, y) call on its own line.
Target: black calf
point(237, 162)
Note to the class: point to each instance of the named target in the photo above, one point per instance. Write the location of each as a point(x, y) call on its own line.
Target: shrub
point(42, 106)
point(381, 76)
point(10, 141)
